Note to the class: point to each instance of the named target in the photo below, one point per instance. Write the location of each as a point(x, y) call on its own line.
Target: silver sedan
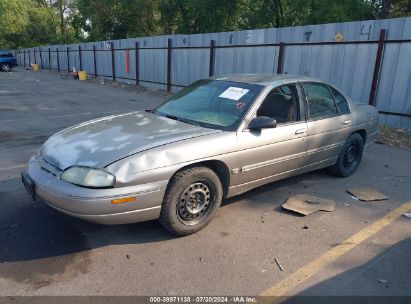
point(217, 138)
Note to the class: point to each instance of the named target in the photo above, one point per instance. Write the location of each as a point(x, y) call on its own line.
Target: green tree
point(279, 13)
point(400, 8)
point(42, 27)
point(392, 8)
point(116, 19)
point(25, 23)
point(13, 21)
point(189, 17)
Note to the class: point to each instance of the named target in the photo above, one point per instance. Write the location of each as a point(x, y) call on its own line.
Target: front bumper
point(94, 205)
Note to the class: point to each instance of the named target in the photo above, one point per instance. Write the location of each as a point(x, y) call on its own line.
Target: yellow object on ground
point(82, 75)
point(284, 287)
point(34, 67)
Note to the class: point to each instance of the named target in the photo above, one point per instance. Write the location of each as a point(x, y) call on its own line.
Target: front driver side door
point(273, 153)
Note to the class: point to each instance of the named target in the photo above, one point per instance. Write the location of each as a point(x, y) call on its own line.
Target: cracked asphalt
point(43, 252)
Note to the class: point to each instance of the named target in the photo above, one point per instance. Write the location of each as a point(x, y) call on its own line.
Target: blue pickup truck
point(7, 61)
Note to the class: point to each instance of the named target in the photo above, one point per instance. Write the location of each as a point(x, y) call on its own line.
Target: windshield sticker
point(234, 93)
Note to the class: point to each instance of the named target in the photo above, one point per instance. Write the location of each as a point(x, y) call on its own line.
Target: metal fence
point(369, 60)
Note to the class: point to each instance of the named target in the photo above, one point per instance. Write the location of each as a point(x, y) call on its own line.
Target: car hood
point(99, 142)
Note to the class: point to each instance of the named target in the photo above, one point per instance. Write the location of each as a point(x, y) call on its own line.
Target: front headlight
point(88, 177)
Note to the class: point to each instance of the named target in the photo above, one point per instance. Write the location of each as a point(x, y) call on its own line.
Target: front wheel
point(191, 200)
point(350, 156)
point(5, 67)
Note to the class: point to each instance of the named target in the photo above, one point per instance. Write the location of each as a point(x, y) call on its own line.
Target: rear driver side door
point(329, 122)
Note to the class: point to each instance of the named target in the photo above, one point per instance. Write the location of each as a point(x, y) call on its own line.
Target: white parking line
point(13, 167)
point(284, 287)
point(59, 116)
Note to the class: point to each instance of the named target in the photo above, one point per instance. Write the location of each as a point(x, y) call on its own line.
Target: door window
point(320, 100)
point(281, 104)
point(340, 101)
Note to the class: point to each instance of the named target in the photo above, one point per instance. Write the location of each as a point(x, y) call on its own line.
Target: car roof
point(4, 52)
point(264, 79)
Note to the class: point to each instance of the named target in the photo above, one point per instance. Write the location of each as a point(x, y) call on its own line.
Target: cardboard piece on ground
point(367, 194)
point(306, 204)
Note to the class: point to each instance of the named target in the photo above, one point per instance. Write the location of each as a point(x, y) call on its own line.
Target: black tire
point(5, 67)
point(203, 190)
point(350, 156)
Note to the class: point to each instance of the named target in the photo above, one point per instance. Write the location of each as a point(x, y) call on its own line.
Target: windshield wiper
point(181, 119)
point(207, 125)
point(189, 121)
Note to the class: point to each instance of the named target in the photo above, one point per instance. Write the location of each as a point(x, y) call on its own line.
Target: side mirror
point(262, 122)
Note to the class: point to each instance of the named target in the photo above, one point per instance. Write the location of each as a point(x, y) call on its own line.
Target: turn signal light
point(124, 200)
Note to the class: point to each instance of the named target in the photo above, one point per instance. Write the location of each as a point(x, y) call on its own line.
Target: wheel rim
point(5, 67)
point(351, 155)
point(195, 202)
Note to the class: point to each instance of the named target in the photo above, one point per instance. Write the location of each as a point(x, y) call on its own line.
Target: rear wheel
point(191, 200)
point(350, 156)
point(5, 67)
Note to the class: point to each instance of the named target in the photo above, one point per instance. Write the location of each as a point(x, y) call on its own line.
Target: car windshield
point(210, 103)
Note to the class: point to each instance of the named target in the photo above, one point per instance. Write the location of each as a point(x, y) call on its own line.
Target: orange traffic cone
point(75, 73)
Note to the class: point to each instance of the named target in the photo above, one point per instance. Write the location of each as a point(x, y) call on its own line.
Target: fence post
point(136, 61)
point(49, 59)
point(127, 61)
point(212, 60)
point(377, 67)
point(68, 59)
point(41, 59)
point(35, 59)
point(58, 60)
point(113, 66)
point(169, 45)
point(94, 61)
point(28, 54)
point(79, 59)
point(24, 58)
point(280, 58)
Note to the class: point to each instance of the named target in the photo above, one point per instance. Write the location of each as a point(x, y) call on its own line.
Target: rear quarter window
point(340, 101)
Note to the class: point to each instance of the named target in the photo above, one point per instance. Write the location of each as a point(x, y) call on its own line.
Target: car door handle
point(347, 122)
point(300, 131)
